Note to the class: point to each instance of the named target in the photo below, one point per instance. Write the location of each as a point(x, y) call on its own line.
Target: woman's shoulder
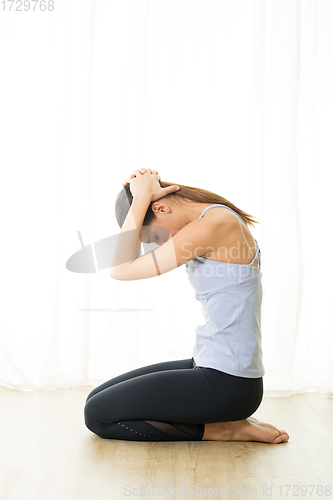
point(221, 214)
point(230, 231)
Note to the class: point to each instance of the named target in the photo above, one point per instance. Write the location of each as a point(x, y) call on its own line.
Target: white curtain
point(233, 97)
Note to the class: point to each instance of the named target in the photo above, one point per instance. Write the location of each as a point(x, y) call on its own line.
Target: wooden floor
point(46, 452)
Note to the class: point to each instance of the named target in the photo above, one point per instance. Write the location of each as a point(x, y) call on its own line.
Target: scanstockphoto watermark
point(225, 269)
point(110, 251)
point(27, 5)
point(221, 253)
point(188, 491)
point(118, 249)
point(270, 491)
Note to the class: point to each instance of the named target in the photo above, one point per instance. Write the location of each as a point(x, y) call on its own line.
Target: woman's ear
point(160, 207)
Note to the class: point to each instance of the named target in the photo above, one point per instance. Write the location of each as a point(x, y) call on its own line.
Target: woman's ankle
point(223, 431)
point(236, 423)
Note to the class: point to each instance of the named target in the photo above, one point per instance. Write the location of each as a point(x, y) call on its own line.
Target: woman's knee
point(89, 415)
point(93, 418)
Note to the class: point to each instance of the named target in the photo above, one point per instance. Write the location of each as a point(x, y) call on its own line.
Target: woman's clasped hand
point(142, 171)
point(145, 182)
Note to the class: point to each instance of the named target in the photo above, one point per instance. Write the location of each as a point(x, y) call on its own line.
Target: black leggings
point(169, 401)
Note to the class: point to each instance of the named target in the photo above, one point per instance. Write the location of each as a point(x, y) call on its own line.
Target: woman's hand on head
point(143, 183)
point(142, 171)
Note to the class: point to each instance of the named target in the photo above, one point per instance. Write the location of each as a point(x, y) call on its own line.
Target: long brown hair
point(189, 193)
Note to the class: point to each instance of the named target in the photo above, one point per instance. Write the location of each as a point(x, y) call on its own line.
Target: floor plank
point(48, 453)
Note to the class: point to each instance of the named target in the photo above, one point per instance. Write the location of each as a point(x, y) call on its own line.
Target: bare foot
point(249, 429)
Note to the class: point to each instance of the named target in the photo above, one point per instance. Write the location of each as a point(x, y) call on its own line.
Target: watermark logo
point(28, 5)
point(100, 254)
point(269, 491)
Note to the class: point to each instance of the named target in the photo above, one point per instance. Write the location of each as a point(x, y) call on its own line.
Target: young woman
point(212, 395)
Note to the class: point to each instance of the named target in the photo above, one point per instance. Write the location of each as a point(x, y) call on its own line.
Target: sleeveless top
point(230, 296)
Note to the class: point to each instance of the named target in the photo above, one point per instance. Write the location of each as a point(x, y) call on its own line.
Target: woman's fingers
point(131, 177)
point(142, 171)
point(127, 180)
point(158, 176)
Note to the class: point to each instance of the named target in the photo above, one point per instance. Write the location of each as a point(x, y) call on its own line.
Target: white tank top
point(230, 296)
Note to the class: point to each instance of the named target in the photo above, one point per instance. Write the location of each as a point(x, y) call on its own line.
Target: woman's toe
point(284, 436)
point(279, 439)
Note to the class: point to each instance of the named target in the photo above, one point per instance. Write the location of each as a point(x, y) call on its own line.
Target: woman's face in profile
point(155, 234)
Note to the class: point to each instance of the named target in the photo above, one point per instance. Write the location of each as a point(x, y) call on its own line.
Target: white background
point(231, 96)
